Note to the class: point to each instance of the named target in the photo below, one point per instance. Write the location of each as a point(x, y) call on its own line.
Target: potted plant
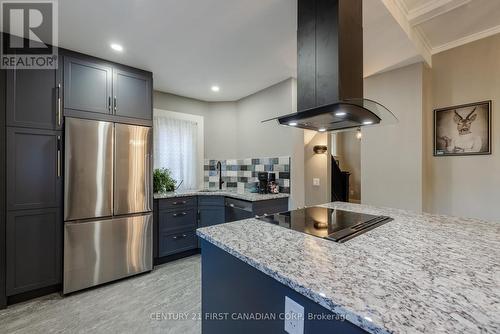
point(163, 181)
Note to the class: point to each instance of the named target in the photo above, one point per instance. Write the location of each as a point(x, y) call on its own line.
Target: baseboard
point(24, 296)
point(173, 257)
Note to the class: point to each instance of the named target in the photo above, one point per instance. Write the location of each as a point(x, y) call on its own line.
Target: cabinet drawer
point(205, 200)
point(177, 242)
point(178, 203)
point(179, 219)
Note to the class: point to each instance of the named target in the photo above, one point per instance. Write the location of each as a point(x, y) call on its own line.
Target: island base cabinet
point(223, 275)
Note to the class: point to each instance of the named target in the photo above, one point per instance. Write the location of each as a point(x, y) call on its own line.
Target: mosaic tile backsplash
point(243, 173)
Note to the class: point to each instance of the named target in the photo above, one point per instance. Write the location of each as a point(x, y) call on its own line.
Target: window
point(178, 146)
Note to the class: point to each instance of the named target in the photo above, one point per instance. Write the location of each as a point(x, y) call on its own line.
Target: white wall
point(233, 130)
point(391, 155)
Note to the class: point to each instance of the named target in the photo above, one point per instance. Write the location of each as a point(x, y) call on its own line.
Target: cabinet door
point(87, 86)
point(33, 249)
point(132, 94)
point(212, 216)
point(34, 178)
point(34, 99)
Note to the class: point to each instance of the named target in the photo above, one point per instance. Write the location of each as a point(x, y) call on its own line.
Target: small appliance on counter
point(263, 182)
point(272, 186)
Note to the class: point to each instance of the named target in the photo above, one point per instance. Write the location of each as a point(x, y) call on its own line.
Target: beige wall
point(391, 155)
point(316, 166)
point(467, 186)
point(349, 156)
point(233, 130)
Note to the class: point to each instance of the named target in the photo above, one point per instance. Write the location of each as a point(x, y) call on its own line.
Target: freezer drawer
point(133, 190)
point(102, 251)
point(88, 169)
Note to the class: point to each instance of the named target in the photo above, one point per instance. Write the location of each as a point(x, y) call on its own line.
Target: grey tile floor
point(141, 304)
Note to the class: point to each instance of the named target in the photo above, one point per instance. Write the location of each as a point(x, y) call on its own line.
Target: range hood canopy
point(330, 69)
point(341, 116)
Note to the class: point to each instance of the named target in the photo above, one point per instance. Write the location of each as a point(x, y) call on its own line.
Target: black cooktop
point(332, 224)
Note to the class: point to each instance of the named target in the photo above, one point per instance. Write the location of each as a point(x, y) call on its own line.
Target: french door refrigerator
point(108, 223)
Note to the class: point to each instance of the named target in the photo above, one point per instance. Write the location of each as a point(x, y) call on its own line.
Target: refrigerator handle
point(58, 156)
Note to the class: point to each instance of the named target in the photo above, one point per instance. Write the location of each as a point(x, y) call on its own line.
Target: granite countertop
point(251, 197)
point(416, 274)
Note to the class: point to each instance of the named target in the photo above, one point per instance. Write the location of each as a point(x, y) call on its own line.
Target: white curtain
point(175, 148)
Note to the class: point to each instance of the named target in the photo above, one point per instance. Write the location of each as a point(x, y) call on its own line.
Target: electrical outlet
point(294, 317)
point(316, 182)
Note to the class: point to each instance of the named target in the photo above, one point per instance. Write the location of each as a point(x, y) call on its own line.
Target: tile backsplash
point(243, 173)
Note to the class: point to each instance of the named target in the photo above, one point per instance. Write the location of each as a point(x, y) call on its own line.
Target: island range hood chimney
point(330, 69)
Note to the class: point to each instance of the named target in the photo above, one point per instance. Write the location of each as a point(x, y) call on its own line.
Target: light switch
point(316, 182)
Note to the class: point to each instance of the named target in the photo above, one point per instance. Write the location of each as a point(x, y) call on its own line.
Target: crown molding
point(399, 11)
point(465, 40)
point(432, 9)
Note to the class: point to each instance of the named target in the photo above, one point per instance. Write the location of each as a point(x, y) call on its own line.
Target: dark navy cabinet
point(97, 89)
point(34, 168)
point(211, 210)
point(176, 220)
point(177, 223)
point(34, 99)
point(34, 252)
point(87, 85)
point(131, 94)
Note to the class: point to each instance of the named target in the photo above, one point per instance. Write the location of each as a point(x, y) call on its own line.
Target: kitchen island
point(419, 273)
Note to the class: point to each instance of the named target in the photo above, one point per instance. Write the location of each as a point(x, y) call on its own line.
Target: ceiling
point(438, 25)
point(244, 46)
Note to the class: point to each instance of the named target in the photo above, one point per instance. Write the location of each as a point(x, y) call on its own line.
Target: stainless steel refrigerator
point(108, 223)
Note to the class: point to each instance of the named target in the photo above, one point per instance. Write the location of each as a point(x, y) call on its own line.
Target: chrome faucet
point(219, 168)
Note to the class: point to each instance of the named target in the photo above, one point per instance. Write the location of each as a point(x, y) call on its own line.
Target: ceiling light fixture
point(116, 47)
point(292, 123)
point(215, 88)
point(322, 130)
point(340, 113)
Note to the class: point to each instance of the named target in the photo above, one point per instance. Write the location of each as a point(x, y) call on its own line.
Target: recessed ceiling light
point(292, 123)
point(340, 113)
point(322, 130)
point(367, 122)
point(117, 47)
point(215, 88)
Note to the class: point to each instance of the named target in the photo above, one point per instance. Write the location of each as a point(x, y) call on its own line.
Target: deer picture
point(465, 141)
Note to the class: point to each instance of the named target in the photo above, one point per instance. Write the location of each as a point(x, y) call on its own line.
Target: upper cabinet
point(132, 94)
point(33, 99)
point(101, 88)
point(87, 86)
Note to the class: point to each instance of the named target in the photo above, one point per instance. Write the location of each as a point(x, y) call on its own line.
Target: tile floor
point(141, 304)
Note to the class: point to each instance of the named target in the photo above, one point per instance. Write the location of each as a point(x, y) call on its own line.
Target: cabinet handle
point(58, 156)
point(179, 214)
point(179, 203)
point(59, 111)
point(109, 103)
point(116, 106)
point(179, 237)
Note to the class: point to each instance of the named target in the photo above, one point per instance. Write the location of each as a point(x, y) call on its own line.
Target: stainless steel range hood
point(330, 69)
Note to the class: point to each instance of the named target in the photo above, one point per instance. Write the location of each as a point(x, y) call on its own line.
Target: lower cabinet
point(34, 249)
point(176, 219)
point(177, 242)
point(211, 211)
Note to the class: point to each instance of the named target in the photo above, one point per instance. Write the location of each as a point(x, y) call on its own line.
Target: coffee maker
point(262, 176)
